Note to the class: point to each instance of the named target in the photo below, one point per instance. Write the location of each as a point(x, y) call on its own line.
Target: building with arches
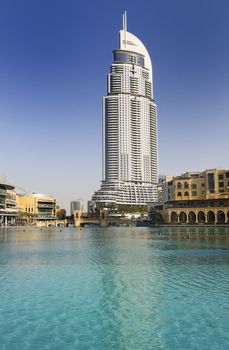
point(197, 197)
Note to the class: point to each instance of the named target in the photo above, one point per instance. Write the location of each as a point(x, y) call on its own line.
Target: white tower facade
point(129, 127)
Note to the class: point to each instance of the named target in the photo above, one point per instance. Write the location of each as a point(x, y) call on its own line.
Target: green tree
point(155, 217)
point(61, 214)
point(125, 208)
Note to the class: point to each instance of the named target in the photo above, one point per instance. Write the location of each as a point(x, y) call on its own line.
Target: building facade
point(40, 206)
point(129, 127)
point(197, 197)
point(8, 203)
point(19, 208)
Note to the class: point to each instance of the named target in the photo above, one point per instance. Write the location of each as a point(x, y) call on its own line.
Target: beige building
point(18, 208)
point(197, 197)
point(8, 203)
point(41, 207)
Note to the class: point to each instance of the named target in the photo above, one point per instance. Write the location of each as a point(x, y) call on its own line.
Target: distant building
point(160, 188)
point(197, 197)
point(76, 205)
point(91, 206)
point(8, 202)
point(159, 204)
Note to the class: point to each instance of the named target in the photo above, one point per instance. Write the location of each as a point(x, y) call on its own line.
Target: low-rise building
point(197, 197)
point(41, 207)
point(8, 203)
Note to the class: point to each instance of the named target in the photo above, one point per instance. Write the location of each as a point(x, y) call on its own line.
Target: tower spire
point(124, 25)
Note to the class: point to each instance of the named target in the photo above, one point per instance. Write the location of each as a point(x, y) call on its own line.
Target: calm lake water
point(114, 288)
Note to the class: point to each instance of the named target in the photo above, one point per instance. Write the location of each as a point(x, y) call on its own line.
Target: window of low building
point(194, 186)
point(221, 184)
point(194, 193)
point(220, 176)
point(227, 174)
point(211, 182)
point(179, 194)
point(186, 194)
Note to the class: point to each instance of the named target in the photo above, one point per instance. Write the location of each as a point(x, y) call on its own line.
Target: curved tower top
point(129, 42)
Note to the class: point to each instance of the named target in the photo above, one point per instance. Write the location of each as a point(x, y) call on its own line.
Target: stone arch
point(201, 217)
point(179, 185)
point(220, 217)
point(179, 194)
point(192, 217)
point(186, 194)
point(174, 217)
point(183, 217)
point(211, 217)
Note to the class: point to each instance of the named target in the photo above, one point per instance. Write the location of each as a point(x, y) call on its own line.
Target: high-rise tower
point(129, 127)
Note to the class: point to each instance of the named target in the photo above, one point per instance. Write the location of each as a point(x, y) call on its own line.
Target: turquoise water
point(113, 288)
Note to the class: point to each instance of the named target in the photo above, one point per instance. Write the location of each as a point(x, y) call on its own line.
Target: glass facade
point(128, 57)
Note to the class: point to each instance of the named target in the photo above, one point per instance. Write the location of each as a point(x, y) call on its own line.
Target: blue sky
point(54, 57)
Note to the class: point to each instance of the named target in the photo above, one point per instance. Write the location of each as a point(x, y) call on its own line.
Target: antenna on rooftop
point(124, 25)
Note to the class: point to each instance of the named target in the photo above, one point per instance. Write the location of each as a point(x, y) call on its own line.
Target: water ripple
point(112, 289)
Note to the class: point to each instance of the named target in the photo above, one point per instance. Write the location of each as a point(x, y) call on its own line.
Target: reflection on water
point(169, 232)
point(114, 288)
